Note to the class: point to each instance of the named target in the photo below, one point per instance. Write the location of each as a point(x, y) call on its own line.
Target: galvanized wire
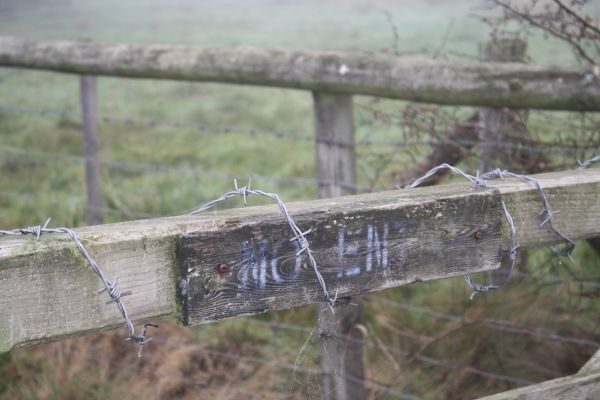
point(542, 147)
point(481, 182)
point(282, 365)
point(499, 325)
point(476, 180)
point(299, 236)
point(402, 353)
point(588, 163)
point(512, 253)
point(16, 154)
point(546, 213)
point(109, 286)
point(25, 197)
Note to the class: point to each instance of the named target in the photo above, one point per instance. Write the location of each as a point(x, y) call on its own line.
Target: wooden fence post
point(502, 126)
point(341, 360)
point(498, 125)
point(92, 149)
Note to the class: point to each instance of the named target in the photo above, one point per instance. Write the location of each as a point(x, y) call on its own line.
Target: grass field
point(171, 170)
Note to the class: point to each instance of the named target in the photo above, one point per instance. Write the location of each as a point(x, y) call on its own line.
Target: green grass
point(32, 190)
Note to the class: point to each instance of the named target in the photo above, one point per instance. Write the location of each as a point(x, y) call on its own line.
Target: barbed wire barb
point(109, 287)
point(299, 235)
point(588, 163)
point(546, 214)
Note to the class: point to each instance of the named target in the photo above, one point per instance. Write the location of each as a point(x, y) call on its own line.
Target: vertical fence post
point(498, 125)
point(501, 126)
point(92, 149)
point(341, 359)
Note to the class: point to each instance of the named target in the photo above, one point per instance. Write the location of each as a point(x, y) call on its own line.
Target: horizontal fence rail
point(583, 385)
point(241, 262)
point(488, 84)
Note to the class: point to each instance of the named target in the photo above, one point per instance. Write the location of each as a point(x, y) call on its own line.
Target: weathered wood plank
point(335, 149)
point(576, 387)
point(592, 365)
point(359, 249)
point(585, 385)
point(336, 171)
point(48, 292)
point(91, 144)
point(432, 81)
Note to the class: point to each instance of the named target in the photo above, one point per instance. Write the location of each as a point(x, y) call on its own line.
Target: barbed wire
point(546, 214)
point(247, 359)
point(481, 182)
point(25, 197)
point(499, 325)
point(543, 147)
point(405, 354)
point(36, 157)
point(588, 163)
point(299, 236)
point(553, 280)
point(109, 287)
point(137, 368)
point(282, 365)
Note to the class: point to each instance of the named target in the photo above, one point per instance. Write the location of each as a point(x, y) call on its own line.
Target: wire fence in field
point(399, 122)
point(416, 137)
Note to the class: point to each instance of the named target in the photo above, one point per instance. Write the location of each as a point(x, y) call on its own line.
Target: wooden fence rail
point(362, 243)
point(241, 262)
point(510, 85)
point(584, 385)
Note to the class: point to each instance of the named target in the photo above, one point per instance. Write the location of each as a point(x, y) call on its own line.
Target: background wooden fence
point(332, 78)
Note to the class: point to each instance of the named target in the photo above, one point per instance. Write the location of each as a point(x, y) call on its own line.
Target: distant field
point(184, 167)
point(352, 25)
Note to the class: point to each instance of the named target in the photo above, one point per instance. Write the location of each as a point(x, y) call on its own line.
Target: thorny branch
point(565, 22)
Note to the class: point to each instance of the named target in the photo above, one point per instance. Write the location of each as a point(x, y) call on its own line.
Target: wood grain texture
point(361, 249)
point(335, 149)
point(576, 387)
point(48, 292)
point(336, 171)
point(432, 81)
point(91, 142)
point(585, 385)
point(500, 125)
point(592, 365)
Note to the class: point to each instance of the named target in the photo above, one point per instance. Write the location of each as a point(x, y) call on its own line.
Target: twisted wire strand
point(512, 253)
point(480, 182)
point(476, 180)
point(109, 286)
point(402, 353)
point(499, 325)
point(542, 147)
point(588, 163)
point(20, 155)
point(299, 235)
point(547, 215)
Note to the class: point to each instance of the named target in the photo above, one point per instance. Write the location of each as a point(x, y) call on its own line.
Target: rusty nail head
point(222, 268)
point(477, 235)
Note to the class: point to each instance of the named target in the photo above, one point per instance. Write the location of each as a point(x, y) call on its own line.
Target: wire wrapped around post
point(546, 214)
